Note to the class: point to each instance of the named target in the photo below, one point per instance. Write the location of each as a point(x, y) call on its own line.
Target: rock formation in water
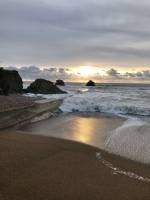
point(10, 82)
point(90, 83)
point(60, 82)
point(42, 86)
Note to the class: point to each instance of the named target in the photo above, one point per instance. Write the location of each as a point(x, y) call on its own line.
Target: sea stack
point(10, 82)
point(42, 86)
point(60, 82)
point(90, 83)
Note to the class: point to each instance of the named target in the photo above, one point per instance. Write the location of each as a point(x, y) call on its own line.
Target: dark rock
point(1, 92)
point(42, 86)
point(10, 82)
point(24, 90)
point(90, 83)
point(60, 82)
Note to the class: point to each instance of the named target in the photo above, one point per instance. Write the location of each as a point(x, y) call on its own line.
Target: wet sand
point(88, 128)
point(42, 168)
point(127, 137)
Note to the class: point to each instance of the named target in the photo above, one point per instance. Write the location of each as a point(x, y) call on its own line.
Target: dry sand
point(43, 168)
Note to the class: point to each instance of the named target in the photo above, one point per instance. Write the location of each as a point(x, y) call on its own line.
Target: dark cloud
point(113, 72)
point(33, 72)
point(134, 76)
point(72, 32)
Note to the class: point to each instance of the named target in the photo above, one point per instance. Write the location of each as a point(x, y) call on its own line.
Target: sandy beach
point(34, 165)
point(37, 167)
point(74, 100)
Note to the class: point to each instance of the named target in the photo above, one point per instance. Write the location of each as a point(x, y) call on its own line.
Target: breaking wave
point(104, 103)
point(127, 101)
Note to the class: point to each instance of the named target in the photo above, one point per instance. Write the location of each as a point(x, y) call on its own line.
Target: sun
point(86, 70)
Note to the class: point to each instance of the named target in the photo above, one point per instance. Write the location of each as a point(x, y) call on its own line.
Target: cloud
point(34, 72)
point(113, 72)
point(134, 76)
point(66, 74)
point(61, 32)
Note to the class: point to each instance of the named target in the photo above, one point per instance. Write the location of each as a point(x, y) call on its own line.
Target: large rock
point(60, 82)
point(90, 83)
point(10, 82)
point(42, 86)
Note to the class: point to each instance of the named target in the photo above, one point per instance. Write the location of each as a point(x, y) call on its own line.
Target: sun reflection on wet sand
point(89, 129)
point(85, 129)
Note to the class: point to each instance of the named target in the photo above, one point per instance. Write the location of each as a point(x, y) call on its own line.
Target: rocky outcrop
point(42, 86)
point(60, 82)
point(10, 82)
point(90, 83)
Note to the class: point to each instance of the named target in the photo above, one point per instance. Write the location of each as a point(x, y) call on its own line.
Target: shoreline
point(37, 167)
point(40, 167)
point(115, 134)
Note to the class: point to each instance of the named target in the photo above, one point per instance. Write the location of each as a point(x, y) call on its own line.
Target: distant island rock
point(10, 82)
point(42, 86)
point(90, 83)
point(60, 82)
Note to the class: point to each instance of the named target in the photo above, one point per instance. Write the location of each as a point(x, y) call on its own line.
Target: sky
point(110, 36)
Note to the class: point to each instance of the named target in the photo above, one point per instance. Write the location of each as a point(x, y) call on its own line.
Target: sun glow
point(86, 70)
point(90, 71)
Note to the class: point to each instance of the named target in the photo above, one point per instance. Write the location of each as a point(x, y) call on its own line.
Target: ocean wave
point(110, 101)
point(105, 103)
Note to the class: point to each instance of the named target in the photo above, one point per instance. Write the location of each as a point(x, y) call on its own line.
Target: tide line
point(117, 170)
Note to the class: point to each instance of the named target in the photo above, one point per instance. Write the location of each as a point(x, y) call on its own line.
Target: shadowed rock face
point(43, 86)
point(60, 82)
point(90, 83)
point(10, 82)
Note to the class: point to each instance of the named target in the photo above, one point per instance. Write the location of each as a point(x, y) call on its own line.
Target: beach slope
point(42, 168)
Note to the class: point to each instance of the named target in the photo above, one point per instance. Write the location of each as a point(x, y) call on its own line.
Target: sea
point(112, 116)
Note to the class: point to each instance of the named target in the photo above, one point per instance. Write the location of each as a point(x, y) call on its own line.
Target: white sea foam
point(117, 170)
point(105, 103)
point(131, 140)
